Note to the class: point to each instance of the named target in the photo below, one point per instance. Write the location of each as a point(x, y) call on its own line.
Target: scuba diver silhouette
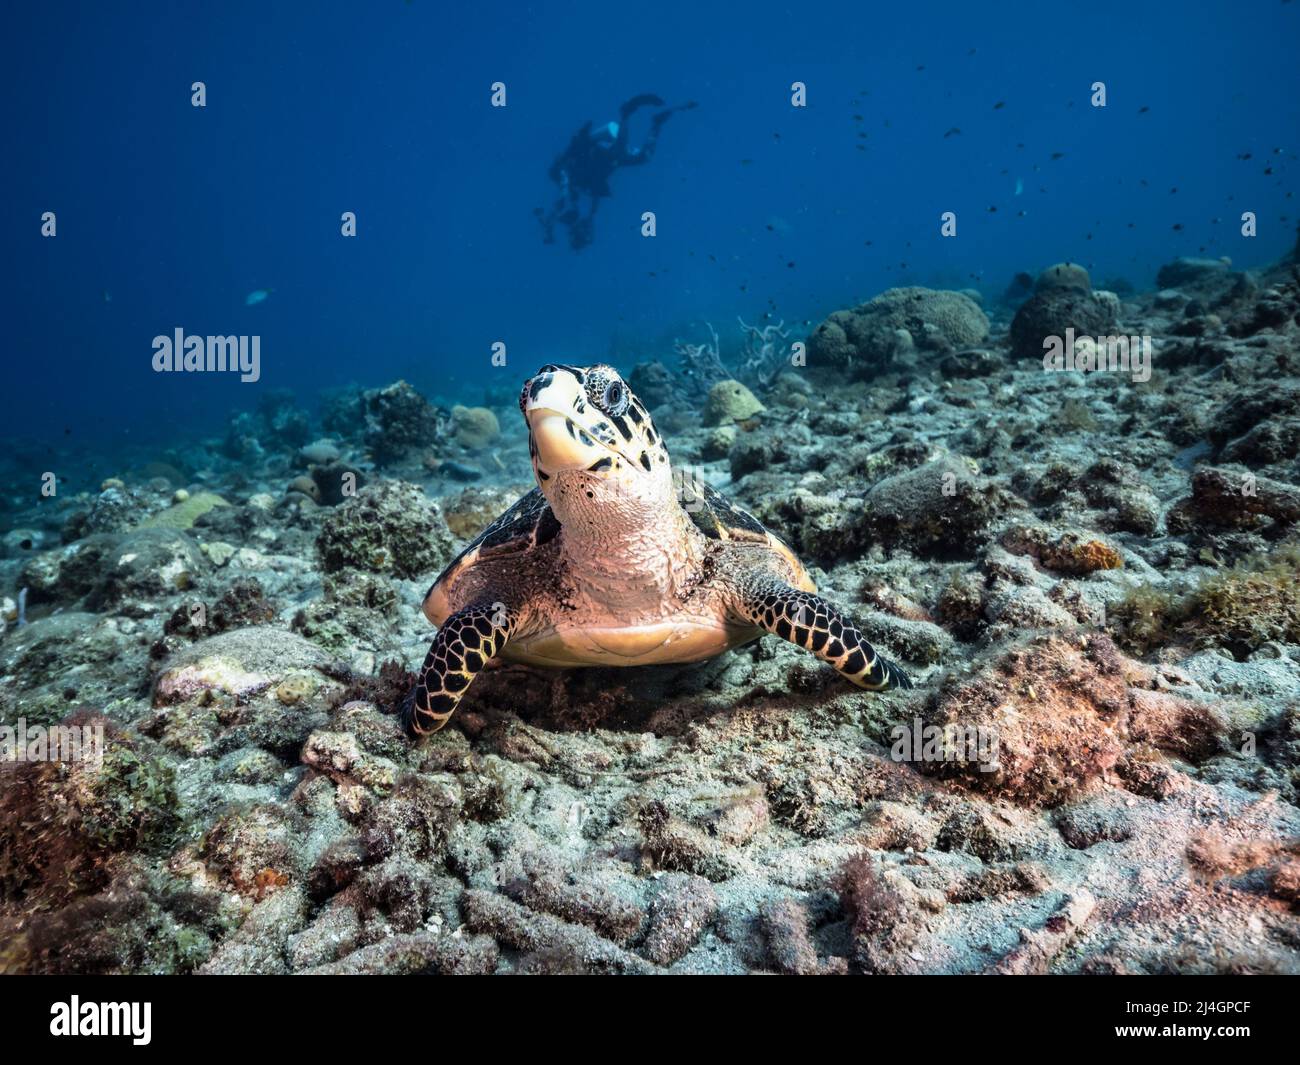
point(582, 171)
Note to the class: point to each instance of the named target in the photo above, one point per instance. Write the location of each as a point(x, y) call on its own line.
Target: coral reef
point(1064, 275)
point(1092, 581)
point(895, 325)
point(1053, 310)
point(766, 352)
point(729, 402)
point(396, 421)
point(389, 527)
point(474, 427)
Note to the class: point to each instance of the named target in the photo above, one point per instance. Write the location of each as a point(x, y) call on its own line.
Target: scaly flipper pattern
point(467, 641)
point(815, 625)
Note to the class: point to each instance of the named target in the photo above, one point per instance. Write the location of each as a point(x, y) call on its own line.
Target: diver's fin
point(646, 99)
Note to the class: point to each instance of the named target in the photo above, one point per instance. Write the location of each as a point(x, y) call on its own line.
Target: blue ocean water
point(169, 215)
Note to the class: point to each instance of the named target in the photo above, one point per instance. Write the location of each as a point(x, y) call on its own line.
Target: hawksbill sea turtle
point(614, 561)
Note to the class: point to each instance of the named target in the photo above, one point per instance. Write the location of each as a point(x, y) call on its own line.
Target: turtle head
point(592, 442)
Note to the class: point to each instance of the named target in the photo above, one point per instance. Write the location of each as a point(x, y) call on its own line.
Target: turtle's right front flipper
point(810, 621)
point(467, 641)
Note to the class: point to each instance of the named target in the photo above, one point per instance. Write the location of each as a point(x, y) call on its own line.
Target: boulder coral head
point(391, 527)
point(1050, 312)
point(730, 402)
point(887, 329)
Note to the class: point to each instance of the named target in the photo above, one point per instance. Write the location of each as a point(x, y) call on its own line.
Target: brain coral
point(475, 427)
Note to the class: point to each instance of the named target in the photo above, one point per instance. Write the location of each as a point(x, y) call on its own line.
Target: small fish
point(951, 133)
point(1020, 186)
point(999, 105)
point(1178, 226)
point(1058, 155)
point(108, 296)
point(257, 296)
point(1143, 110)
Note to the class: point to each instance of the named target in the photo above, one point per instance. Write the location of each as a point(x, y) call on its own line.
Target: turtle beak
point(561, 444)
point(557, 413)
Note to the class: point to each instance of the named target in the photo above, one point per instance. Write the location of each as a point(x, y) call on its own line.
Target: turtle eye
point(613, 398)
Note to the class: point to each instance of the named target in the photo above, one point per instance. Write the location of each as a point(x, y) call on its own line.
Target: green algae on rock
point(184, 513)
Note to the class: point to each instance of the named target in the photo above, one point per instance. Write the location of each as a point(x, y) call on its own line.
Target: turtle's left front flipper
point(817, 626)
point(467, 641)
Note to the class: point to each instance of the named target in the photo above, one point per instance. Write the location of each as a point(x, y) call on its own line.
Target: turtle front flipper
point(815, 625)
point(465, 643)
